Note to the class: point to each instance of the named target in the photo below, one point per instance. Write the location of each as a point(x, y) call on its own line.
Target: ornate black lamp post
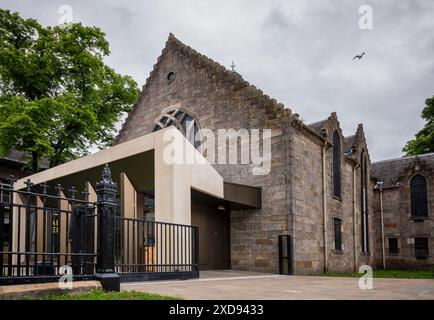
point(106, 202)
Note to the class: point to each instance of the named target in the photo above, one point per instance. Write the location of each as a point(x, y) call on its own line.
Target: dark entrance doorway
point(213, 236)
point(285, 255)
point(212, 216)
point(213, 222)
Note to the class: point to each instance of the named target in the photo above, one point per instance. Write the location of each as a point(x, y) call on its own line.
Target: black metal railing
point(152, 250)
point(43, 235)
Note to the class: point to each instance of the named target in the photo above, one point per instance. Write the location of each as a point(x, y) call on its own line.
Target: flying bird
point(360, 56)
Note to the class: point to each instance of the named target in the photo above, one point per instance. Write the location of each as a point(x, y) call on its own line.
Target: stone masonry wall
point(307, 217)
point(398, 222)
point(219, 99)
point(307, 205)
point(291, 193)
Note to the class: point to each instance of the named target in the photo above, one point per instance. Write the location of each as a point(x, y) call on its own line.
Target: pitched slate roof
point(317, 126)
point(349, 143)
point(391, 171)
point(14, 156)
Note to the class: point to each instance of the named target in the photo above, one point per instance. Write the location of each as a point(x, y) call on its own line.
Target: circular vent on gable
point(171, 76)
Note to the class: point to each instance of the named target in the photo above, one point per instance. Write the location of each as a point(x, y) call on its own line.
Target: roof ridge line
point(405, 158)
point(211, 65)
point(233, 76)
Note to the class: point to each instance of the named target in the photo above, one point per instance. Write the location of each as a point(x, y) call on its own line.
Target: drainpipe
point(380, 186)
point(324, 205)
point(356, 262)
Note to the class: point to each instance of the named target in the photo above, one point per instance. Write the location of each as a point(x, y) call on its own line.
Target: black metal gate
point(45, 235)
point(149, 250)
point(83, 239)
point(285, 255)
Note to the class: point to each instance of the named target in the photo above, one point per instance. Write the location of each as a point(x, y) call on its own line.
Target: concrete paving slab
point(234, 285)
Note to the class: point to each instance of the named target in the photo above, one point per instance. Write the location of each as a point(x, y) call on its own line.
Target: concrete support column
point(128, 197)
point(19, 230)
point(172, 180)
point(128, 210)
point(64, 206)
point(40, 227)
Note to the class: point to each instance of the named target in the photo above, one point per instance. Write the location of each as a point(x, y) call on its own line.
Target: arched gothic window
point(336, 164)
point(181, 120)
point(419, 203)
point(364, 201)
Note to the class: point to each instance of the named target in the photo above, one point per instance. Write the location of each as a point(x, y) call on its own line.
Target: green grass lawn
point(98, 294)
point(398, 274)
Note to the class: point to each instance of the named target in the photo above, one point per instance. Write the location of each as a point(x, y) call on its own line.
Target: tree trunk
point(35, 167)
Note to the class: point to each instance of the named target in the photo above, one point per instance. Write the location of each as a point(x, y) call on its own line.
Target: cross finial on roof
point(233, 66)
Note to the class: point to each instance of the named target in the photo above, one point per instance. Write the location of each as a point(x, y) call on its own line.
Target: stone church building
point(318, 190)
point(323, 206)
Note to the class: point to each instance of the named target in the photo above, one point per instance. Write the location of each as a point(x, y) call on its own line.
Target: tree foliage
point(424, 139)
point(57, 96)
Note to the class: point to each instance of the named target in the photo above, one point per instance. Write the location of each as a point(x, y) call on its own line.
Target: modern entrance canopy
point(142, 161)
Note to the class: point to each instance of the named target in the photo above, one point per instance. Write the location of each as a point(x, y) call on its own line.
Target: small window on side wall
point(337, 225)
point(421, 248)
point(393, 246)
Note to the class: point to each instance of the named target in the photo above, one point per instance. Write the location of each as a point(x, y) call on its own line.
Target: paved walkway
point(230, 285)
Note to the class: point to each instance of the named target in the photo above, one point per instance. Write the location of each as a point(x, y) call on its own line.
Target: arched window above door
point(181, 120)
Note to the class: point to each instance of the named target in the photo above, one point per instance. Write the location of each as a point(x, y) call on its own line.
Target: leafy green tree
point(57, 96)
point(424, 139)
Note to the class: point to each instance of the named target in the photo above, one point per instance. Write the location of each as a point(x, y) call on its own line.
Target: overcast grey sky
point(299, 52)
